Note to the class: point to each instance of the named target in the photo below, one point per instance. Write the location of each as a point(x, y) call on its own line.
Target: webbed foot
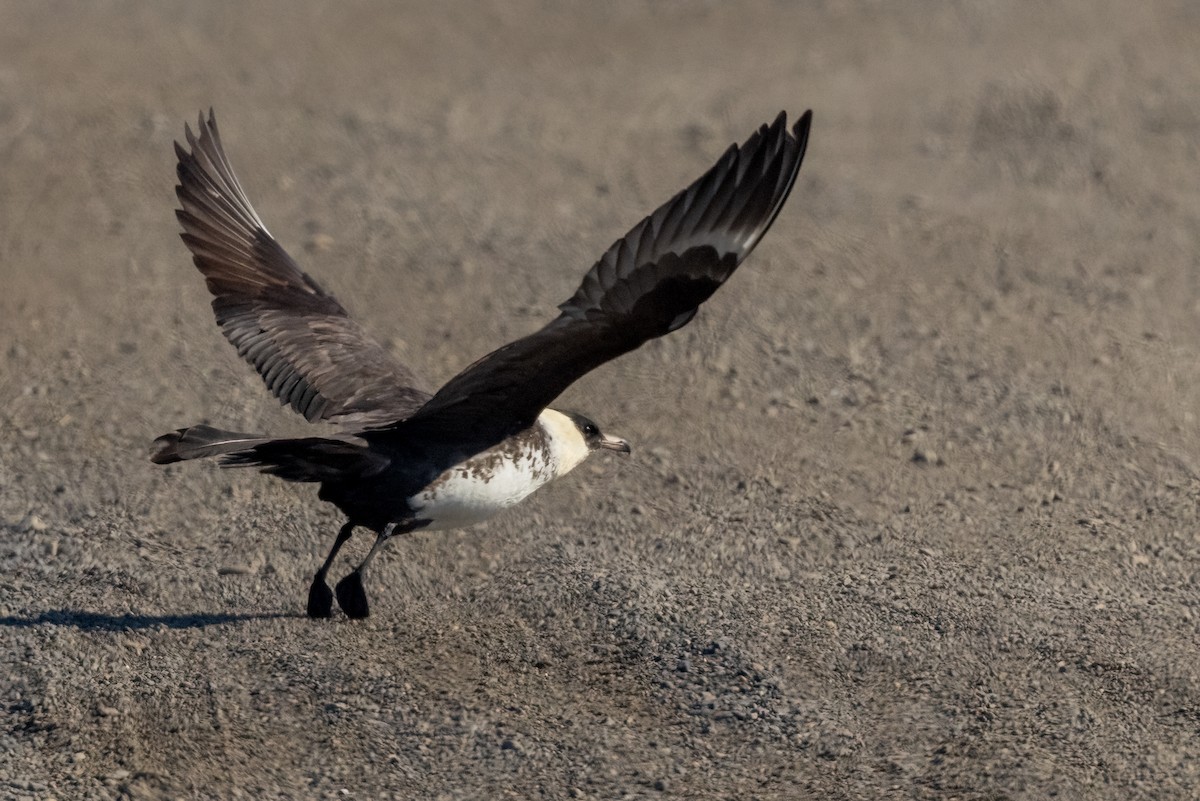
point(320, 598)
point(352, 597)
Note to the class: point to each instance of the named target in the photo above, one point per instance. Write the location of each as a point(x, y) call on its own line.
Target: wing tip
point(206, 131)
point(797, 144)
point(800, 131)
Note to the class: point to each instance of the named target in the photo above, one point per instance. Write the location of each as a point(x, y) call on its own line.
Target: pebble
point(319, 243)
point(32, 522)
point(924, 455)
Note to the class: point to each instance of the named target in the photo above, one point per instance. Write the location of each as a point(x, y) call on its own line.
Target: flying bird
point(400, 457)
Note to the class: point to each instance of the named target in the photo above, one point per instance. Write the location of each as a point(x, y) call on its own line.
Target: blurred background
point(912, 506)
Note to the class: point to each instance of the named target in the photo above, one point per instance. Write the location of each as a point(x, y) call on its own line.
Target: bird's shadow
point(98, 621)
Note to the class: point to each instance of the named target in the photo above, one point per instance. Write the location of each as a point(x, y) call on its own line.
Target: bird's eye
point(590, 430)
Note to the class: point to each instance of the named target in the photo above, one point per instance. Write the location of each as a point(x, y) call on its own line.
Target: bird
point(397, 457)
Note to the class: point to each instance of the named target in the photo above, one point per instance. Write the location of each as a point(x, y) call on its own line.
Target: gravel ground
point(912, 510)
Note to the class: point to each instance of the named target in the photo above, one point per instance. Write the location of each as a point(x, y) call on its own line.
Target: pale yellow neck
point(566, 441)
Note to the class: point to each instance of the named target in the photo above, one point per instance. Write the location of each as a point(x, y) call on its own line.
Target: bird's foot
point(352, 597)
point(320, 598)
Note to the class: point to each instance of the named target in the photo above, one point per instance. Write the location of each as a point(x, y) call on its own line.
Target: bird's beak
point(614, 444)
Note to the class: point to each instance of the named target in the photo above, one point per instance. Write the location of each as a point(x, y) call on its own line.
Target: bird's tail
point(200, 442)
point(303, 459)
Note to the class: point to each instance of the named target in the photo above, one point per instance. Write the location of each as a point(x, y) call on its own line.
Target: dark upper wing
point(648, 284)
point(308, 351)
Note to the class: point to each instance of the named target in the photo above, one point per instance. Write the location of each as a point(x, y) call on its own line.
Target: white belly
point(479, 488)
point(501, 477)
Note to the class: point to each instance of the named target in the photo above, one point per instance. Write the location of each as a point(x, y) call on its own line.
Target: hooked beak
point(614, 444)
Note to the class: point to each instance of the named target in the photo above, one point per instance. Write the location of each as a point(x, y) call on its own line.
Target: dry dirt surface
point(912, 508)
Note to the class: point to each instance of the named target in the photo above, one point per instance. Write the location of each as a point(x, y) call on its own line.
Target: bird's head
point(595, 438)
point(573, 438)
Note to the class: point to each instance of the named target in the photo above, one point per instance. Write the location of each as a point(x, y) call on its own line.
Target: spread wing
point(649, 283)
point(309, 352)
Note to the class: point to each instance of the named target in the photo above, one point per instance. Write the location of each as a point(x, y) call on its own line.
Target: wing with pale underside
point(649, 283)
point(309, 352)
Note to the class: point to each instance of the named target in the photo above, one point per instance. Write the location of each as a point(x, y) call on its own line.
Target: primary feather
point(309, 352)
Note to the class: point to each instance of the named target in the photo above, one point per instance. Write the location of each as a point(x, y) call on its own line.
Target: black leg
point(320, 599)
point(351, 594)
